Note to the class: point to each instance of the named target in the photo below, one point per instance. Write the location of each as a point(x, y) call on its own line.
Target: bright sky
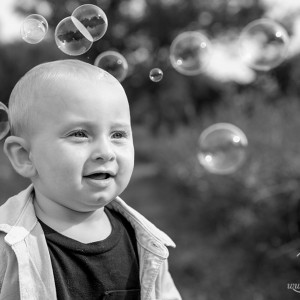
point(225, 62)
point(9, 22)
point(279, 9)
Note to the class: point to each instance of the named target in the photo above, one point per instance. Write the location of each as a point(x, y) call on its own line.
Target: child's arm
point(3, 262)
point(168, 288)
point(8, 273)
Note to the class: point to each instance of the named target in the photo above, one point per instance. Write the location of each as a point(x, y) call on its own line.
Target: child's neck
point(85, 227)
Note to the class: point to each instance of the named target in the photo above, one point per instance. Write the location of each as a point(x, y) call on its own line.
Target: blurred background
point(237, 234)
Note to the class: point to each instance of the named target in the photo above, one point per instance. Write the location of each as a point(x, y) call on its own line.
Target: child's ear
point(17, 151)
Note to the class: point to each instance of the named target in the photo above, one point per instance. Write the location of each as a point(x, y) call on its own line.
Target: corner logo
point(294, 286)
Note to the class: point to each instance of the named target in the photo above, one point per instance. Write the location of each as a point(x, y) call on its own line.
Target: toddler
point(69, 235)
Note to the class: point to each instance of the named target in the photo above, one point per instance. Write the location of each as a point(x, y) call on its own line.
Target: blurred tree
point(142, 30)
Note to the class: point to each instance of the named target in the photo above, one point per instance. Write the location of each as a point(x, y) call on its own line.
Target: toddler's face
point(82, 145)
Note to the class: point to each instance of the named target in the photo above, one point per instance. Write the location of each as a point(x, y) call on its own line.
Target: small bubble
point(156, 75)
point(114, 63)
point(34, 29)
point(189, 53)
point(4, 124)
point(263, 44)
point(222, 148)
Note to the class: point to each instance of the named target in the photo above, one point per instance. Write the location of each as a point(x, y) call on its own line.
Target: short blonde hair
point(26, 92)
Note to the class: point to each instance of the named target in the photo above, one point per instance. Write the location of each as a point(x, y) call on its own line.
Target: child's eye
point(78, 134)
point(119, 135)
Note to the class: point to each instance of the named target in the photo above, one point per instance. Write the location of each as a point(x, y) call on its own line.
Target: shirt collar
point(18, 218)
point(147, 234)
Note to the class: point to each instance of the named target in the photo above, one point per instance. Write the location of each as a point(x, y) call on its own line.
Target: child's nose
point(103, 151)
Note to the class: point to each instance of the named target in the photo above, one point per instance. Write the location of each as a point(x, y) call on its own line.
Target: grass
point(209, 263)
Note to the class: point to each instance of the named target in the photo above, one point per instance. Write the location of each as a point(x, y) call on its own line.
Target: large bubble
point(75, 35)
point(4, 124)
point(114, 63)
point(190, 52)
point(34, 29)
point(93, 19)
point(222, 148)
point(70, 39)
point(263, 44)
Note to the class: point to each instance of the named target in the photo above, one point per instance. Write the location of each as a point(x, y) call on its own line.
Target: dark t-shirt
point(107, 269)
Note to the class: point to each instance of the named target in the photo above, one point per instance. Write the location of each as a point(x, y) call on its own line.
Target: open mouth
point(99, 176)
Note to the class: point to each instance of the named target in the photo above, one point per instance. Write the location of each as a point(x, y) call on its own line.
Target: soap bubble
point(4, 124)
point(263, 44)
point(222, 148)
point(93, 19)
point(156, 75)
point(34, 29)
point(72, 38)
point(189, 52)
point(114, 63)
point(75, 35)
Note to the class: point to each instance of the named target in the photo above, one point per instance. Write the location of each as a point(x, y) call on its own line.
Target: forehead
point(74, 99)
